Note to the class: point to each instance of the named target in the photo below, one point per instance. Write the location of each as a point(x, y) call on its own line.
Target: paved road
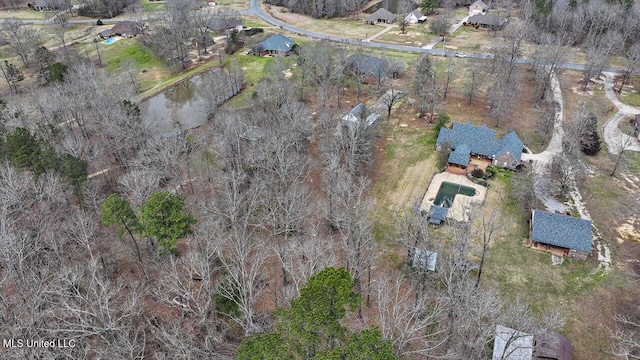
point(613, 137)
point(254, 9)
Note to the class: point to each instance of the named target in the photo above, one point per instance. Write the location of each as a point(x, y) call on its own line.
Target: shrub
point(477, 173)
point(99, 22)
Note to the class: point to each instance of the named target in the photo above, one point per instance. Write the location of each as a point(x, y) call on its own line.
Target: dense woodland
point(252, 237)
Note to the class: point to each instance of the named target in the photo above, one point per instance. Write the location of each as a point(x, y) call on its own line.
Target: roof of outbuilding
point(481, 140)
point(425, 259)
point(381, 14)
point(277, 42)
point(561, 230)
point(551, 345)
point(511, 344)
point(361, 112)
point(438, 213)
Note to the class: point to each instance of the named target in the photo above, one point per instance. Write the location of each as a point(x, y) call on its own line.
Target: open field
point(232, 4)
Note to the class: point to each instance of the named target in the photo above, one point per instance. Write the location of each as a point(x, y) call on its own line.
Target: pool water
point(449, 190)
point(110, 40)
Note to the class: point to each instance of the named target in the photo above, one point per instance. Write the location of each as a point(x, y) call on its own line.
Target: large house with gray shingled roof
point(555, 232)
point(466, 140)
point(276, 44)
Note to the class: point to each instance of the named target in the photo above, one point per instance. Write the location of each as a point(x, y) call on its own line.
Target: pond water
point(179, 107)
point(449, 190)
point(391, 5)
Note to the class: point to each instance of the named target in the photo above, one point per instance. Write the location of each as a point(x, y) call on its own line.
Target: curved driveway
point(613, 137)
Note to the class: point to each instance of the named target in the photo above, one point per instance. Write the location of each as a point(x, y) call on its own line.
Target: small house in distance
point(478, 6)
point(549, 345)
point(382, 15)
point(510, 344)
point(276, 44)
point(468, 141)
point(220, 22)
point(372, 69)
point(105, 34)
point(126, 28)
point(489, 22)
point(415, 17)
point(560, 235)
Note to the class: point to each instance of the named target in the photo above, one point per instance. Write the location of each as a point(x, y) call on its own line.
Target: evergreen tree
point(162, 217)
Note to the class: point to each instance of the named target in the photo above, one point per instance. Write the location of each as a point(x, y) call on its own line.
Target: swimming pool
point(111, 40)
point(449, 190)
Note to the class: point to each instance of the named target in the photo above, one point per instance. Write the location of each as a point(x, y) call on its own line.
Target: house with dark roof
point(381, 15)
point(490, 22)
point(220, 22)
point(510, 344)
point(549, 345)
point(415, 17)
point(437, 214)
point(105, 34)
point(276, 44)
point(467, 140)
point(478, 6)
point(560, 234)
point(126, 28)
point(372, 69)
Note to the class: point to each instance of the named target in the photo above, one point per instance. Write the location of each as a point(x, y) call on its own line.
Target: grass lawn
point(632, 99)
point(145, 59)
point(152, 6)
point(25, 14)
point(254, 67)
point(233, 4)
point(254, 21)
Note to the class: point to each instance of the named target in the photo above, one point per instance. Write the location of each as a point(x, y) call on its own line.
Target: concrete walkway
point(613, 137)
point(387, 28)
point(453, 29)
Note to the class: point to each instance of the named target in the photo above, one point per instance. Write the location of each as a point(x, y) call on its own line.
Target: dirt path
point(613, 137)
point(543, 159)
point(414, 182)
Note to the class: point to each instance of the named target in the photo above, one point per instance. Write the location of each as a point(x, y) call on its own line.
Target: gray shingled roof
point(366, 64)
point(481, 4)
point(381, 14)
point(437, 214)
point(488, 20)
point(481, 140)
point(277, 42)
point(125, 27)
point(461, 155)
point(360, 112)
point(223, 21)
point(561, 230)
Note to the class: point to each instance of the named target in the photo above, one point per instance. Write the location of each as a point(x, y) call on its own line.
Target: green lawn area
point(152, 6)
point(632, 99)
point(145, 59)
point(253, 21)
point(254, 71)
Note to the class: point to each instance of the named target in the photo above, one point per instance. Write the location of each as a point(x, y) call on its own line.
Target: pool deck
point(461, 203)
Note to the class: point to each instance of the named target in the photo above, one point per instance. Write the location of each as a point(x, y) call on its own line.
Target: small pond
point(179, 107)
point(449, 190)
